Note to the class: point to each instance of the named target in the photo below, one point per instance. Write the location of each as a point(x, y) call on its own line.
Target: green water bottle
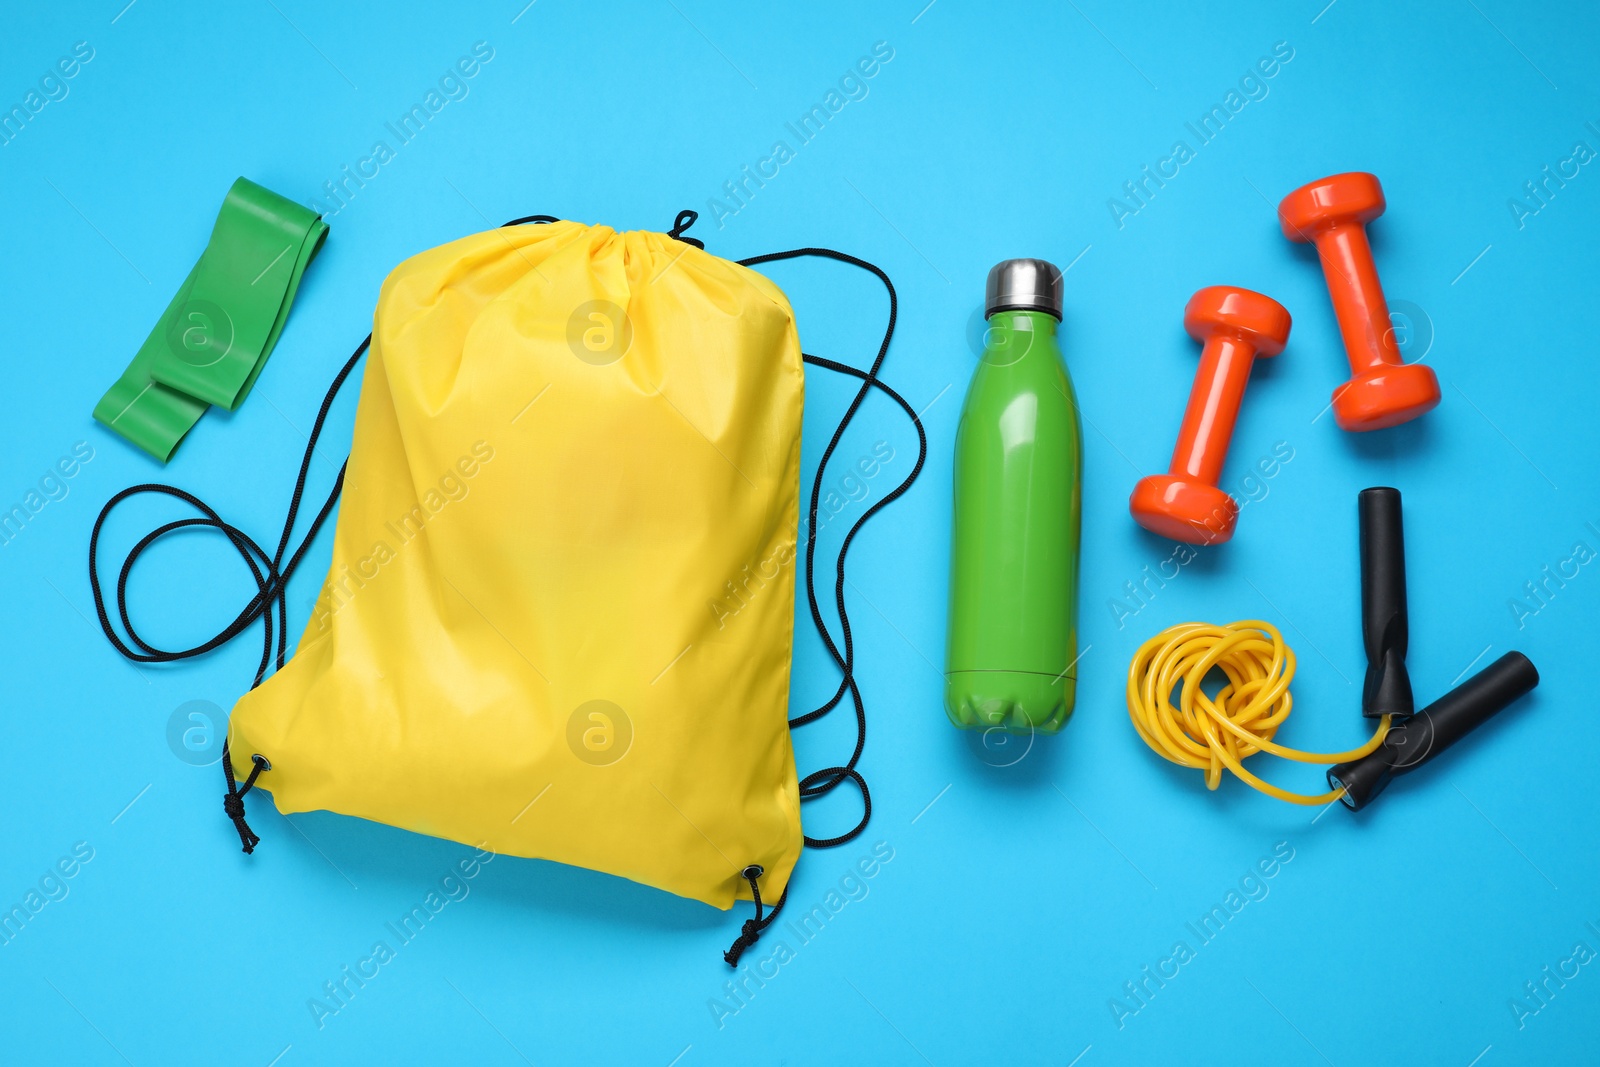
point(1012, 657)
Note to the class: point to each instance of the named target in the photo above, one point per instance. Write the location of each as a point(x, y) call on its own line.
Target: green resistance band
point(210, 344)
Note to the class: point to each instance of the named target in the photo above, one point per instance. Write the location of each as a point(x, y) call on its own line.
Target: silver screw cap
point(1023, 285)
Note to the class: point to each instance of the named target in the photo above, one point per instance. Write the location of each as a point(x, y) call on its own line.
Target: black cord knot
point(749, 934)
point(233, 804)
point(680, 226)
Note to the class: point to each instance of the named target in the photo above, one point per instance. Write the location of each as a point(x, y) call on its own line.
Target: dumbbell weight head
point(1376, 400)
point(1355, 198)
point(1228, 311)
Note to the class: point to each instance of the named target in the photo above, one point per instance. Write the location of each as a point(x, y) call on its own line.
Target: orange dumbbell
point(1332, 213)
point(1235, 326)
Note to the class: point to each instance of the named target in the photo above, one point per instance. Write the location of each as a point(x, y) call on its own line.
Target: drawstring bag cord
point(680, 226)
point(821, 782)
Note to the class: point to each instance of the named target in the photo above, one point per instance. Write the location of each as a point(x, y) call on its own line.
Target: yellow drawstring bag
point(558, 621)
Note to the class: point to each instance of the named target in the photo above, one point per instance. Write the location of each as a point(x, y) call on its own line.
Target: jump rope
point(1211, 732)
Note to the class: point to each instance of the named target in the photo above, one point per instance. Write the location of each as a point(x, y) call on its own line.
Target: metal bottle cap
point(1023, 285)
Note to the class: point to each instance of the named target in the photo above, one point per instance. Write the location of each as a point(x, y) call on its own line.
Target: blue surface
point(1020, 899)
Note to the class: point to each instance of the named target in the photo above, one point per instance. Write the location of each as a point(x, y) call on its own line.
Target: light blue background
point(1020, 902)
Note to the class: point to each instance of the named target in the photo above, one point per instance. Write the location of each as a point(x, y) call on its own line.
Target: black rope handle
point(820, 783)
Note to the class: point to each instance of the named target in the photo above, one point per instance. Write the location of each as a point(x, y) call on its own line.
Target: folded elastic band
point(210, 344)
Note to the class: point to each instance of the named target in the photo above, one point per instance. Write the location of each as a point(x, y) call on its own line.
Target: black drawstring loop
point(822, 782)
point(681, 224)
point(531, 218)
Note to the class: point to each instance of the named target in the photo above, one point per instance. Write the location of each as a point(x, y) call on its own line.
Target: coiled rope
point(1213, 732)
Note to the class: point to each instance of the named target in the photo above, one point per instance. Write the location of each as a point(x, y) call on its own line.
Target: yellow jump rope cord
point(1209, 733)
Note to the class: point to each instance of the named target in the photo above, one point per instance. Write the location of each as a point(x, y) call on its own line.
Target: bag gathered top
point(559, 618)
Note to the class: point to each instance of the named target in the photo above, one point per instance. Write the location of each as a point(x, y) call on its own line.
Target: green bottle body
point(1012, 655)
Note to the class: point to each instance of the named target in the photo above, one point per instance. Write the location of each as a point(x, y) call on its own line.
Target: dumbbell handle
point(1214, 402)
point(1358, 302)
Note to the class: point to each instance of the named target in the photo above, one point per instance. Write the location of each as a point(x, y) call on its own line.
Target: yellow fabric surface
point(574, 479)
